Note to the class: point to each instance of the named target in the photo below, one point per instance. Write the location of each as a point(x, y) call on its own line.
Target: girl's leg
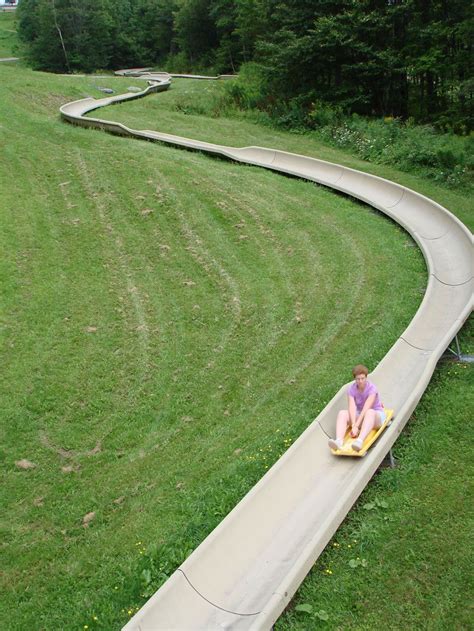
point(371, 421)
point(341, 427)
point(341, 424)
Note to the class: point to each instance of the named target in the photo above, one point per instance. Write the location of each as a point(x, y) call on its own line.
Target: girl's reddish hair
point(360, 369)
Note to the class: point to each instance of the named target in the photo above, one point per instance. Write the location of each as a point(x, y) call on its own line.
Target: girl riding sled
point(365, 411)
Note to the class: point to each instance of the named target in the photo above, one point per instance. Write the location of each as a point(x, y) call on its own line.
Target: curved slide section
point(245, 572)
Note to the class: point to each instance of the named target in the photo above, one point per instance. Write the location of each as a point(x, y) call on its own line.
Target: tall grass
point(8, 37)
point(445, 158)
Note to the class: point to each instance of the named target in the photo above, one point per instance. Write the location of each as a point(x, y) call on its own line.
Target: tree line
point(400, 58)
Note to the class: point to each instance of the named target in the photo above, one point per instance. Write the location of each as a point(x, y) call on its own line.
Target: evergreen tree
point(195, 31)
point(404, 58)
point(66, 35)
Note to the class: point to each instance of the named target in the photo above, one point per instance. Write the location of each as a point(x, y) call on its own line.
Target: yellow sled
point(346, 449)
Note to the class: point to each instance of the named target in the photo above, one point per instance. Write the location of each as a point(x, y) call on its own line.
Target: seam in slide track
point(235, 613)
point(464, 282)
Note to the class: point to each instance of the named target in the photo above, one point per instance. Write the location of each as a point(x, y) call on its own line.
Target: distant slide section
point(246, 571)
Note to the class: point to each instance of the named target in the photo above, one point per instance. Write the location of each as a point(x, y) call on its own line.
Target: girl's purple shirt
point(361, 397)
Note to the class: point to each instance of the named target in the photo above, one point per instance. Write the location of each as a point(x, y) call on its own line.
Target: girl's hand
point(354, 431)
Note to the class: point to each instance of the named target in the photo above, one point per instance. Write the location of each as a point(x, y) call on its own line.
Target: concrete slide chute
point(245, 572)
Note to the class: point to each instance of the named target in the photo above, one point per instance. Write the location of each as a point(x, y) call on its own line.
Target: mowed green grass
point(161, 311)
point(163, 315)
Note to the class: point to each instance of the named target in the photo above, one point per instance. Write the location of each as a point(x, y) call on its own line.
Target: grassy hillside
point(163, 314)
point(8, 37)
point(204, 115)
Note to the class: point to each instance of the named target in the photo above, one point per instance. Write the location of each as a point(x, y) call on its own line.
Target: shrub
point(444, 157)
point(249, 90)
point(322, 114)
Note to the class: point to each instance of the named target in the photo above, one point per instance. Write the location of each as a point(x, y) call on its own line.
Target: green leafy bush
point(249, 89)
point(443, 157)
point(322, 114)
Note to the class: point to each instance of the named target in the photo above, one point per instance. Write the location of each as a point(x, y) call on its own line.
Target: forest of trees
point(400, 58)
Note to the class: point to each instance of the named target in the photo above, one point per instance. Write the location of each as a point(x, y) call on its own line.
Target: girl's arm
point(367, 405)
